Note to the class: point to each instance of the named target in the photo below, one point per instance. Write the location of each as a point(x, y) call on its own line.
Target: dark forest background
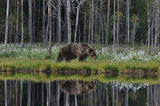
point(109, 22)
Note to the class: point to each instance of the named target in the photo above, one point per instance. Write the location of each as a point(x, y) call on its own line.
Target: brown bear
point(77, 87)
point(73, 51)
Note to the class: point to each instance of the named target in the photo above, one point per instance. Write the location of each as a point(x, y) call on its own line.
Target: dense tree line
point(93, 21)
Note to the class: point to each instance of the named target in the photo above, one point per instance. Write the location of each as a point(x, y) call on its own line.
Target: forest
point(107, 22)
point(119, 31)
point(119, 39)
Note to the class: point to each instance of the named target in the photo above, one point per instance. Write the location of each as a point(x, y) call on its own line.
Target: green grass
point(34, 58)
point(42, 77)
point(36, 65)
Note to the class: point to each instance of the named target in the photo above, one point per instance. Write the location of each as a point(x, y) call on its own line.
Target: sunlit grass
point(37, 65)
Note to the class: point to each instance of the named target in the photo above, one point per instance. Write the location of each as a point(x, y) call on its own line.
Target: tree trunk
point(101, 20)
point(127, 20)
point(38, 23)
point(34, 19)
point(42, 92)
point(44, 19)
point(156, 21)
point(92, 23)
point(89, 32)
point(11, 31)
point(107, 27)
point(7, 21)
point(85, 17)
point(77, 18)
point(16, 94)
point(69, 20)
point(29, 94)
point(46, 36)
point(114, 24)
point(22, 27)
point(17, 23)
point(21, 91)
point(134, 32)
point(117, 40)
point(30, 21)
point(50, 27)
point(5, 88)
point(59, 21)
point(58, 95)
point(149, 28)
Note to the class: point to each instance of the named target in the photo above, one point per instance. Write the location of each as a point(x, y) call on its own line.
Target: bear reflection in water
point(76, 87)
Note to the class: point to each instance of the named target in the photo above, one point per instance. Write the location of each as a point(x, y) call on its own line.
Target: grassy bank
point(122, 60)
point(36, 65)
point(43, 77)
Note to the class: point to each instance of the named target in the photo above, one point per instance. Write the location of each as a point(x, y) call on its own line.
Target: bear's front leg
point(68, 59)
point(82, 58)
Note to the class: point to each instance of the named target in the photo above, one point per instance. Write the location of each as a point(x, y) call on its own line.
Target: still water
point(77, 93)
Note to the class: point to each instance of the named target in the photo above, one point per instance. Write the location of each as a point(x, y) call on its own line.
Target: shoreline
point(98, 67)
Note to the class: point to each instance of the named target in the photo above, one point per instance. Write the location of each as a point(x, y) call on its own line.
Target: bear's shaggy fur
point(73, 51)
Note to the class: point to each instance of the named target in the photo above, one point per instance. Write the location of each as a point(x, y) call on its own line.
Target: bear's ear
point(84, 45)
point(90, 50)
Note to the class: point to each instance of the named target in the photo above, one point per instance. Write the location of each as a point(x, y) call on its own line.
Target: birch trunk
point(22, 26)
point(30, 21)
point(89, 32)
point(44, 19)
point(114, 24)
point(156, 21)
point(17, 22)
point(21, 91)
point(85, 17)
point(59, 21)
point(149, 28)
point(117, 40)
point(101, 21)
point(107, 27)
point(92, 26)
point(50, 27)
point(34, 11)
point(6, 95)
point(127, 20)
point(7, 21)
point(29, 94)
point(134, 32)
point(77, 18)
point(69, 20)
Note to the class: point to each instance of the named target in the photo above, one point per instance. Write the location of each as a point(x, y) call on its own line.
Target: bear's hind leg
point(60, 58)
point(68, 59)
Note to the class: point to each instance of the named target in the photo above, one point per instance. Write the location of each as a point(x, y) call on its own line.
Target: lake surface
point(77, 93)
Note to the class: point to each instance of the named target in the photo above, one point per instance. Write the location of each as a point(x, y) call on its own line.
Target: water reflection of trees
point(77, 93)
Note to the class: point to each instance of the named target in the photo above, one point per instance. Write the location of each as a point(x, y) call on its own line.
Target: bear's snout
point(94, 57)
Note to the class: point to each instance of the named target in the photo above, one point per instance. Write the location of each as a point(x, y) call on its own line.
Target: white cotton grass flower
point(130, 86)
point(40, 51)
point(27, 52)
point(127, 55)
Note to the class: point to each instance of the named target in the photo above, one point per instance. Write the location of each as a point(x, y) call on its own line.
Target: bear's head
point(92, 53)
